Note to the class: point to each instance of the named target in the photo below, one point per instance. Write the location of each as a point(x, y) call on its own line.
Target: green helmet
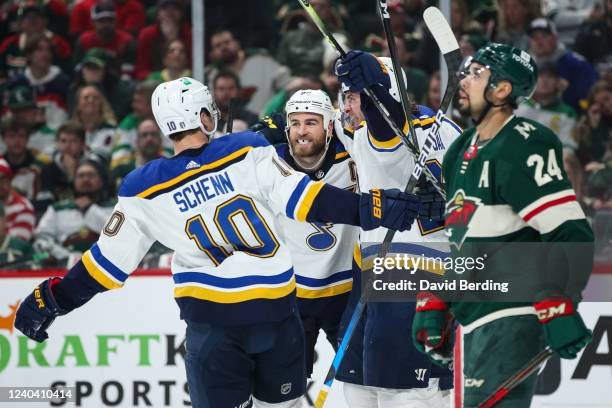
point(510, 64)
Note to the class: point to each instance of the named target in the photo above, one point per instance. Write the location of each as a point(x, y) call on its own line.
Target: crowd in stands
point(76, 78)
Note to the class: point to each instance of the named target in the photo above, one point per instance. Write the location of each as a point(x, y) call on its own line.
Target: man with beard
point(321, 252)
point(505, 183)
point(148, 148)
point(261, 75)
point(226, 86)
point(73, 225)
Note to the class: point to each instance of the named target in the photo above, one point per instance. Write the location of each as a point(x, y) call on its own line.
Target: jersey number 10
point(228, 217)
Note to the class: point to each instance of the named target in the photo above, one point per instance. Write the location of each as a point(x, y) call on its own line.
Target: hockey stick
point(229, 126)
point(437, 24)
point(414, 150)
point(520, 376)
point(36, 257)
point(383, 12)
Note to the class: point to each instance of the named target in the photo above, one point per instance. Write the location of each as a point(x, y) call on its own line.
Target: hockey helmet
point(177, 105)
point(511, 64)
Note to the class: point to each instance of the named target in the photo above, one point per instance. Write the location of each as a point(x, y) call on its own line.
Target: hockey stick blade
point(531, 367)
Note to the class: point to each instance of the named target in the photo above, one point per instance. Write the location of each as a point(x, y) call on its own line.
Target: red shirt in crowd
point(130, 16)
point(149, 49)
point(20, 217)
point(117, 46)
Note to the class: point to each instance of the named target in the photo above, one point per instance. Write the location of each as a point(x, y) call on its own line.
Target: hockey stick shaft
point(414, 150)
point(383, 12)
point(229, 126)
point(530, 368)
point(452, 57)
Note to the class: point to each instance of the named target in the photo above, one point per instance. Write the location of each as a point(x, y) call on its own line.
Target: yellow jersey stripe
point(190, 173)
point(423, 122)
point(309, 197)
point(388, 144)
point(319, 293)
point(357, 255)
point(235, 297)
point(98, 274)
point(341, 155)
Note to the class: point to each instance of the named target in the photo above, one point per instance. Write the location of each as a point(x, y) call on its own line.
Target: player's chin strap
point(488, 107)
point(215, 119)
point(328, 137)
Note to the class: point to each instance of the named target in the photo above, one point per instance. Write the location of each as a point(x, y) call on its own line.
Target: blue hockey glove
point(432, 332)
point(272, 127)
point(563, 327)
point(391, 209)
point(359, 70)
point(432, 203)
point(38, 310)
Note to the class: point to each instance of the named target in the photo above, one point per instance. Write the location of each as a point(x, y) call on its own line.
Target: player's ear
point(502, 91)
point(206, 119)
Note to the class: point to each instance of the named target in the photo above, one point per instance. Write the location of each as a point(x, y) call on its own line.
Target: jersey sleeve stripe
point(545, 199)
point(219, 296)
point(387, 146)
point(556, 213)
point(309, 197)
point(323, 282)
point(341, 155)
point(95, 264)
point(295, 196)
point(357, 255)
point(453, 124)
point(216, 165)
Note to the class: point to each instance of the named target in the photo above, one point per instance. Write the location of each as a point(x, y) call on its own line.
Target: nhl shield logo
point(459, 212)
point(285, 388)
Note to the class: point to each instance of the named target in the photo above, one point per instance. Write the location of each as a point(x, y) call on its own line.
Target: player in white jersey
point(321, 252)
point(217, 204)
point(397, 378)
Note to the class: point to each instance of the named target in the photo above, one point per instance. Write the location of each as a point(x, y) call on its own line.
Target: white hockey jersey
point(218, 207)
point(389, 165)
point(322, 253)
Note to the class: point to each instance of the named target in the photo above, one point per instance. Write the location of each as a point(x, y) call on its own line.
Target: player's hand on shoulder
point(38, 310)
point(391, 209)
point(272, 127)
point(565, 331)
point(359, 70)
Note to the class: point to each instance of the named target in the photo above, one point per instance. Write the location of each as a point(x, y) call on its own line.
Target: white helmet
point(311, 101)
point(394, 91)
point(177, 105)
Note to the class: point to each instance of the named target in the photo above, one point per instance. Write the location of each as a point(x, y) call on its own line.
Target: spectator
point(48, 81)
point(470, 43)
point(514, 21)
point(32, 20)
point(226, 86)
point(433, 97)
point(569, 16)
point(545, 47)
point(24, 108)
point(11, 248)
point(58, 176)
point(94, 113)
point(19, 213)
point(130, 16)
point(25, 164)
point(148, 148)
point(141, 109)
point(594, 38)
point(154, 39)
point(96, 69)
point(119, 44)
point(547, 108)
point(73, 225)
point(301, 50)
point(416, 79)
point(175, 63)
point(260, 75)
point(596, 125)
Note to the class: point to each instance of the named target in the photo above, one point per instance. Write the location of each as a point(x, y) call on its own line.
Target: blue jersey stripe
point(314, 282)
point(107, 265)
point(295, 196)
point(231, 283)
point(453, 124)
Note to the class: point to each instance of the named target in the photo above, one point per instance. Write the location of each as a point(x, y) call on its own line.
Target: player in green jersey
point(505, 185)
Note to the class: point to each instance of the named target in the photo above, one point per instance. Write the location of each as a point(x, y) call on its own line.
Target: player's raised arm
point(106, 265)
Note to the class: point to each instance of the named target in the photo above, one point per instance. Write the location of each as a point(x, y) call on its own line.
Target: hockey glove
point(272, 127)
point(38, 310)
point(564, 329)
point(432, 203)
point(432, 332)
point(359, 70)
point(391, 209)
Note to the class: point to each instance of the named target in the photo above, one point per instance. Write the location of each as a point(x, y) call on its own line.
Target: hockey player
point(505, 184)
point(217, 204)
point(394, 372)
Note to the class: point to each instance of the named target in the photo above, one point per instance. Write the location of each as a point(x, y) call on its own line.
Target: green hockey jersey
point(511, 188)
